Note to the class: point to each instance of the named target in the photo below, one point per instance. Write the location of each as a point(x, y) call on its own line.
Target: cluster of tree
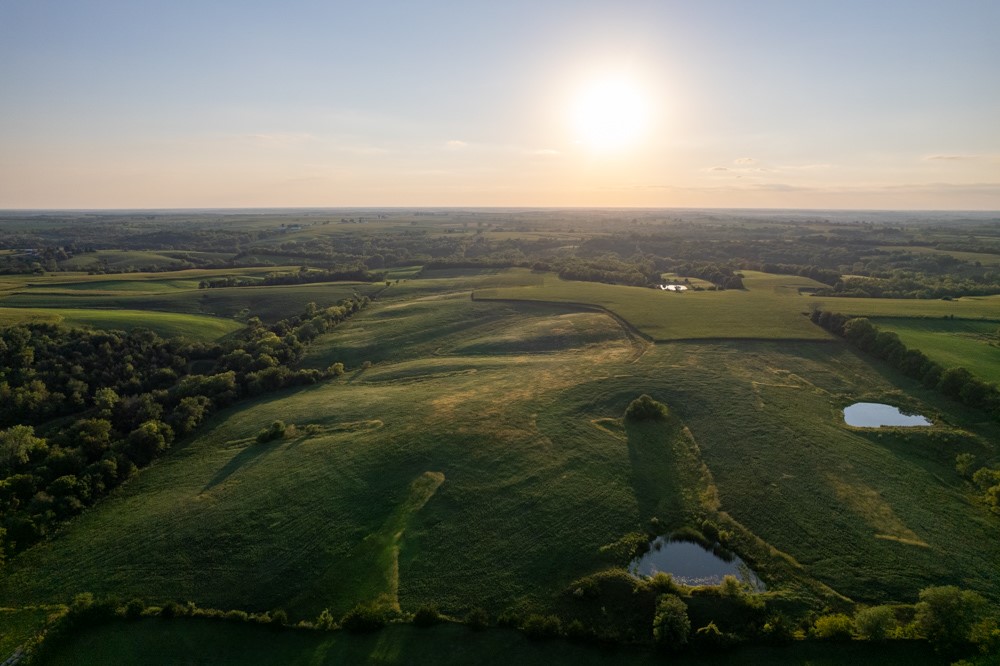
point(905, 284)
point(111, 402)
point(303, 276)
point(609, 269)
point(957, 383)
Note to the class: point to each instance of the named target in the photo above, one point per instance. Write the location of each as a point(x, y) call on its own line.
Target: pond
point(875, 414)
point(692, 564)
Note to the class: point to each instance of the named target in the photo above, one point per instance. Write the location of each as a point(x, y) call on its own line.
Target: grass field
point(166, 324)
point(153, 642)
point(952, 342)
point(481, 460)
point(268, 303)
point(478, 462)
point(768, 309)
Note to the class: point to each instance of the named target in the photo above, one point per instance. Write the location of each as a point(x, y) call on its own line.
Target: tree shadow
point(656, 477)
point(247, 456)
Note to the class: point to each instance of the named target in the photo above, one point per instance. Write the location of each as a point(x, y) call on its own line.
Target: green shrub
point(364, 618)
point(133, 609)
point(644, 408)
point(477, 619)
point(875, 623)
point(426, 616)
point(542, 626)
point(833, 627)
point(325, 620)
point(671, 624)
point(274, 431)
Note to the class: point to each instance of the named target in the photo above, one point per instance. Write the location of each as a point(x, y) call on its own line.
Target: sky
point(892, 104)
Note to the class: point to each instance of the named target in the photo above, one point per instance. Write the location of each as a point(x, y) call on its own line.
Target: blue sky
point(822, 104)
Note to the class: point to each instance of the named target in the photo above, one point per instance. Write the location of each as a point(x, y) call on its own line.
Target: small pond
point(692, 564)
point(875, 414)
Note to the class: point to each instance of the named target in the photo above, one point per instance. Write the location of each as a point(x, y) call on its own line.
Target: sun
point(610, 113)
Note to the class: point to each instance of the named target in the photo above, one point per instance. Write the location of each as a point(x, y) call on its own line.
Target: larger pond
point(693, 564)
point(875, 415)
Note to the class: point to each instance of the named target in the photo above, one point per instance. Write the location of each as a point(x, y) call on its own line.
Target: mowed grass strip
point(165, 324)
point(769, 308)
point(974, 345)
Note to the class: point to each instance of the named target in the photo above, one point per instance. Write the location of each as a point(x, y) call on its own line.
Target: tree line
point(106, 403)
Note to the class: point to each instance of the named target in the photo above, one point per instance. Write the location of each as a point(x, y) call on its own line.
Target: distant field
point(952, 342)
point(119, 259)
point(984, 258)
point(166, 324)
point(268, 303)
point(968, 307)
point(156, 642)
point(769, 308)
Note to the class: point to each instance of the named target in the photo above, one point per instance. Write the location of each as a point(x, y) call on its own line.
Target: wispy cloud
point(950, 158)
point(745, 160)
point(455, 144)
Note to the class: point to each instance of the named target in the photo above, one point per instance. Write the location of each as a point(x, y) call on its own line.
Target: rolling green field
point(479, 459)
point(154, 642)
point(408, 482)
point(768, 309)
point(165, 324)
point(952, 343)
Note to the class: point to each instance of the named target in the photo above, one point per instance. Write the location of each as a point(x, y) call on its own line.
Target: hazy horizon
point(641, 104)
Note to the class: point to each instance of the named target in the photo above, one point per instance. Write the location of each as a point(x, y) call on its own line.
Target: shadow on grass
point(656, 476)
point(246, 456)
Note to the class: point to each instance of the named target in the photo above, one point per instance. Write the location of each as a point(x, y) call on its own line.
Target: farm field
point(152, 642)
point(768, 309)
point(165, 324)
point(952, 342)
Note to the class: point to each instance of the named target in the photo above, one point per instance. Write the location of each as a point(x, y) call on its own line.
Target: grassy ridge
point(165, 324)
point(151, 642)
point(952, 343)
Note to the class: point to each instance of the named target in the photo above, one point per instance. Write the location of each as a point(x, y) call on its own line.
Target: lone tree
point(644, 408)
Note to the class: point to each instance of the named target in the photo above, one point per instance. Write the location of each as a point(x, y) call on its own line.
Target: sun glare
point(610, 114)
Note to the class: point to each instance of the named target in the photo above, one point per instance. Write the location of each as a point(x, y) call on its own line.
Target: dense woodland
point(85, 409)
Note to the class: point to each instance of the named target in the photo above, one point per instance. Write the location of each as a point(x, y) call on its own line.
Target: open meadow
point(407, 482)
point(459, 442)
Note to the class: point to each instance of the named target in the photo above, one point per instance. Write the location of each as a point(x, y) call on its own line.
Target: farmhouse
point(673, 287)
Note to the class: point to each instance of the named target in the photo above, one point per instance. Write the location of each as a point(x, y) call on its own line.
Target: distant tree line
point(957, 383)
point(109, 402)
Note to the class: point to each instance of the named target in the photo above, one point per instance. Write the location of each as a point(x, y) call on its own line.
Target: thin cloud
point(455, 144)
point(745, 160)
point(950, 158)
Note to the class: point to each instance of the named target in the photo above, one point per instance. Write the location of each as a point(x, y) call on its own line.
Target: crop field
point(952, 342)
point(408, 482)
point(165, 324)
point(153, 642)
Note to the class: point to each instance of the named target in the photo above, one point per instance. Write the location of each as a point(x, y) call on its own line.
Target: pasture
point(952, 342)
point(481, 462)
point(769, 308)
point(165, 324)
